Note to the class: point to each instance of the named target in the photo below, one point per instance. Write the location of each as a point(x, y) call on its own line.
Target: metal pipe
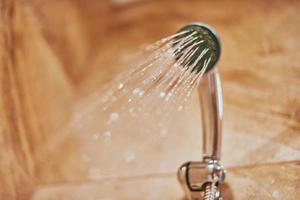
point(211, 103)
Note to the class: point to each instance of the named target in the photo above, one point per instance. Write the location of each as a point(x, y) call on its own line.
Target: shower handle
point(211, 103)
point(201, 179)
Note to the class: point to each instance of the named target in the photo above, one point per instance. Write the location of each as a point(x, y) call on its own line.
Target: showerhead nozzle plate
point(208, 47)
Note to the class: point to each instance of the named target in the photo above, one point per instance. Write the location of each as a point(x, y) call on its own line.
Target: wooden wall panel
point(35, 97)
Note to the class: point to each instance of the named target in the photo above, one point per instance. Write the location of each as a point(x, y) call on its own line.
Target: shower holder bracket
point(195, 177)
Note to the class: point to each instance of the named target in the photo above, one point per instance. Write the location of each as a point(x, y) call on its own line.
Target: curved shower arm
point(200, 180)
point(211, 103)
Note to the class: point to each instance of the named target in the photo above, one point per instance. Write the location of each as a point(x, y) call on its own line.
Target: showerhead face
point(198, 47)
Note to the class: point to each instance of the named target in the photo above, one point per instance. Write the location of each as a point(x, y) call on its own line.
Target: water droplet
point(121, 86)
point(107, 137)
point(275, 194)
point(107, 134)
point(141, 93)
point(129, 156)
point(114, 116)
point(136, 91)
point(169, 95)
point(180, 108)
point(145, 82)
point(96, 136)
point(163, 132)
point(162, 94)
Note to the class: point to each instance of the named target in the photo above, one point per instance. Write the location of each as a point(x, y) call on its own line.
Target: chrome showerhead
point(201, 43)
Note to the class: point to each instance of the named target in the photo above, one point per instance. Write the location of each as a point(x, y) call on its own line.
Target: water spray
point(200, 180)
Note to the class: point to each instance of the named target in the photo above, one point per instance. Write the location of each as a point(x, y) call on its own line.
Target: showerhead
point(199, 47)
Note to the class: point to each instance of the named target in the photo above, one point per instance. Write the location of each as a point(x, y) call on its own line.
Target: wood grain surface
point(56, 55)
point(265, 181)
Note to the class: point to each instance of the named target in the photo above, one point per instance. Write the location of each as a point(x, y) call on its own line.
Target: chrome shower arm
point(211, 103)
point(200, 179)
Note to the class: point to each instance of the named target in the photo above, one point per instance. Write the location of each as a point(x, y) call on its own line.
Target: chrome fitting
point(196, 177)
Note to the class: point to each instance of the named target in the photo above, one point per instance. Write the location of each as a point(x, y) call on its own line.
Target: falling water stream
point(134, 115)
